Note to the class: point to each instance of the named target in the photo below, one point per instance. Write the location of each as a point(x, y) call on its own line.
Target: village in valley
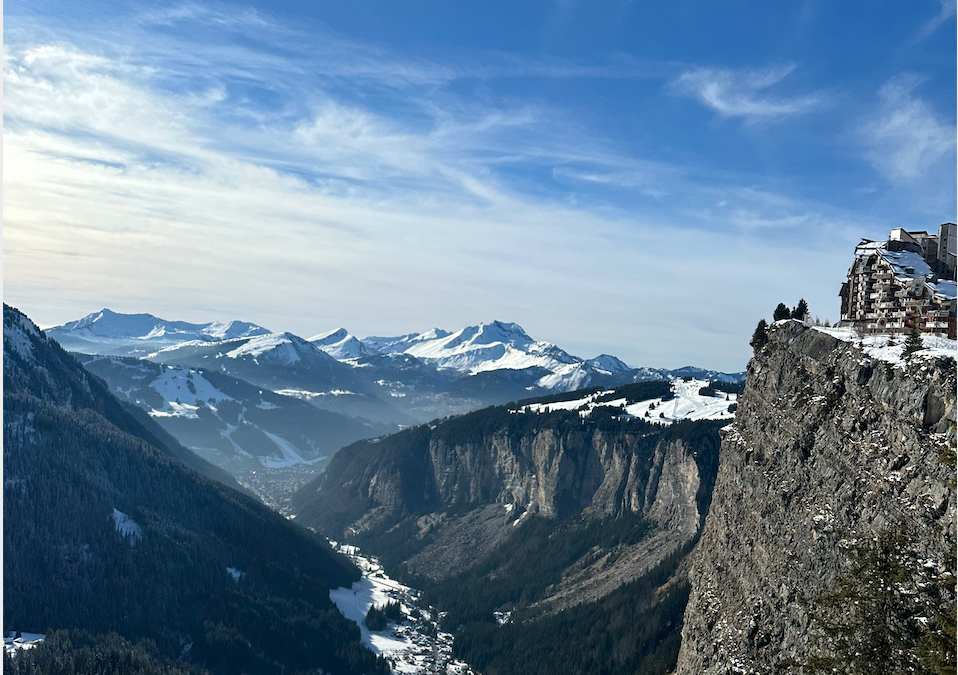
point(413, 644)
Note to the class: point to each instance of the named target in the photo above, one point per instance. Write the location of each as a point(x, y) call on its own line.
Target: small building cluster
point(902, 283)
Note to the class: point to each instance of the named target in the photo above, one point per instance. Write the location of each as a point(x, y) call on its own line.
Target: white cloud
point(947, 11)
point(905, 139)
point(742, 93)
point(147, 182)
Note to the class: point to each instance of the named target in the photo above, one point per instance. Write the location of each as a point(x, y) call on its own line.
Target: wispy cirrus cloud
point(905, 139)
point(947, 11)
point(744, 93)
point(308, 182)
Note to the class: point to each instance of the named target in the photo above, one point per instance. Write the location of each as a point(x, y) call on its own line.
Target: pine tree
point(760, 336)
point(781, 312)
point(913, 342)
point(801, 310)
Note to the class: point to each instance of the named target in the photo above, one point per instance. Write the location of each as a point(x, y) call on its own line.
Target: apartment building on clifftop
point(906, 281)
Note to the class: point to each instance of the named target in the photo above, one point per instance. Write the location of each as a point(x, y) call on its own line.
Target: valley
point(414, 644)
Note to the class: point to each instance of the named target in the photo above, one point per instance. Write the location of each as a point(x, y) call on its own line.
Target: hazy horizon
point(617, 178)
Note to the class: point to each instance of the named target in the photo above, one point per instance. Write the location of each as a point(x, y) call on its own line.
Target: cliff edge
point(837, 461)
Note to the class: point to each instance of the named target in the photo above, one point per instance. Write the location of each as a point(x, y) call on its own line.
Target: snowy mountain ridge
point(502, 353)
point(109, 332)
point(341, 345)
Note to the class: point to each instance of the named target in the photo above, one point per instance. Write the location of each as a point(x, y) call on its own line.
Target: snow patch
point(291, 456)
point(687, 404)
point(375, 588)
point(126, 526)
point(889, 348)
point(13, 644)
point(183, 392)
point(18, 338)
point(174, 409)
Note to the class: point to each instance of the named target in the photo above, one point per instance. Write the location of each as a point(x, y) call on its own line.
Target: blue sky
point(636, 178)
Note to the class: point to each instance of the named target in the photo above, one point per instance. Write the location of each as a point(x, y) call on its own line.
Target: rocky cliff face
point(461, 487)
point(831, 452)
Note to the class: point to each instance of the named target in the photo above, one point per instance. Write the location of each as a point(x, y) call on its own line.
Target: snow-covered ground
point(281, 345)
point(304, 395)
point(688, 404)
point(183, 391)
point(413, 645)
point(13, 644)
point(290, 456)
point(889, 348)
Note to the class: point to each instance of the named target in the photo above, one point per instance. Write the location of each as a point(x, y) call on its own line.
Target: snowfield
point(174, 385)
point(126, 525)
point(888, 348)
point(688, 404)
point(281, 346)
point(290, 456)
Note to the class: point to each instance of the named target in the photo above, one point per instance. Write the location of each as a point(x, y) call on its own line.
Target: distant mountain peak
point(341, 345)
point(330, 337)
point(433, 334)
point(109, 332)
point(609, 364)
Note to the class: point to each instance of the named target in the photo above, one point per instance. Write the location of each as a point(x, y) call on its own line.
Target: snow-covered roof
point(947, 289)
point(905, 264)
point(868, 247)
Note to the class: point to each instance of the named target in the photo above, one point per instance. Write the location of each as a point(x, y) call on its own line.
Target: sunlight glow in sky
point(635, 178)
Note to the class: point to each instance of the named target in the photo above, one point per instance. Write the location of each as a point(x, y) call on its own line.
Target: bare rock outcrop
point(450, 493)
point(829, 449)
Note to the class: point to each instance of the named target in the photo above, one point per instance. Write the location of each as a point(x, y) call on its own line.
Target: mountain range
point(271, 408)
point(370, 376)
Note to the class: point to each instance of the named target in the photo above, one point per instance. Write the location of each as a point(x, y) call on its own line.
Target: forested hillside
point(105, 530)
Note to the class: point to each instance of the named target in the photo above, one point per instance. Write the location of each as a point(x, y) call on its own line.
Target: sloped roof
point(947, 289)
point(902, 261)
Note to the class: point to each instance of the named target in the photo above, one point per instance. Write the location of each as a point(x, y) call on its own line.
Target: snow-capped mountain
point(108, 332)
point(501, 346)
point(492, 346)
point(400, 343)
point(402, 379)
point(341, 345)
point(289, 364)
point(489, 347)
point(608, 364)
